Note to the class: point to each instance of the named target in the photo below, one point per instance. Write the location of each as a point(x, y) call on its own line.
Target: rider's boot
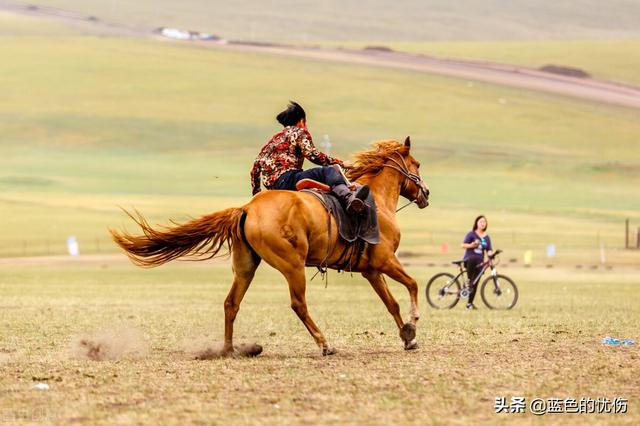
point(352, 201)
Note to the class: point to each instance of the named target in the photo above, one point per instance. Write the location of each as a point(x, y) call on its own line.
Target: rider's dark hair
point(291, 115)
point(475, 222)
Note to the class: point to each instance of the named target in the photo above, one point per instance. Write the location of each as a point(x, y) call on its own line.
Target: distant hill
point(407, 20)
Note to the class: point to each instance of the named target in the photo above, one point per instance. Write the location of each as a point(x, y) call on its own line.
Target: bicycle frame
point(491, 288)
point(485, 265)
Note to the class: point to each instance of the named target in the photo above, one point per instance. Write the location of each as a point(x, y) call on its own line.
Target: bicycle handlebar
point(495, 253)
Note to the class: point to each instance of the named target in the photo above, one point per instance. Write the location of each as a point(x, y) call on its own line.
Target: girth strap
point(351, 254)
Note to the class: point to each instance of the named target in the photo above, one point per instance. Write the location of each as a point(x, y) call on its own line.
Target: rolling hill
point(410, 20)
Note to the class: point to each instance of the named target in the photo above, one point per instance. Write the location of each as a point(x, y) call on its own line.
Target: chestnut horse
point(289, 230)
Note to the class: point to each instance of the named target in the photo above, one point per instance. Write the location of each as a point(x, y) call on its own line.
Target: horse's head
point(413, 187)
point(392, 154)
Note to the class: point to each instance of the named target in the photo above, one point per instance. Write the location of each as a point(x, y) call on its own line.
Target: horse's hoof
point(408, 332)
point(411, 345)
point(329, 351)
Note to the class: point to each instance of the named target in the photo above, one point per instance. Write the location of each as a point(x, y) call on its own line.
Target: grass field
point(172, 130)
point(377, 19)
point(615, 60)
point(90, 123)
point(548, 346)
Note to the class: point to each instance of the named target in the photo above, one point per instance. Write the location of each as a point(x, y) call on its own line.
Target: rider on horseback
point(280, 162)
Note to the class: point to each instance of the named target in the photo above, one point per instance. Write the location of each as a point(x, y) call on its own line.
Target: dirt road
point(508, 75)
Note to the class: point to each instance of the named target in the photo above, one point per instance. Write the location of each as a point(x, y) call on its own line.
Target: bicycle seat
point(458, 262)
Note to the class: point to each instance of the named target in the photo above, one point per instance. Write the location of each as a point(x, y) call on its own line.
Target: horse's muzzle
point(423, 198)
point(423, 201)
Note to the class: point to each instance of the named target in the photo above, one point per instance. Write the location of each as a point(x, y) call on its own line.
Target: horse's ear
point(407, 142)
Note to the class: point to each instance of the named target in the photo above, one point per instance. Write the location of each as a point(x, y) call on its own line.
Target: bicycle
point(498, 291)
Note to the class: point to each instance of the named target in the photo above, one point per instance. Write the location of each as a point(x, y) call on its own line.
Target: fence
point(628, 236)
point(54, 246)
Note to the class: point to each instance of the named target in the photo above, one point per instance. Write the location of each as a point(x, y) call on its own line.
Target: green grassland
point(548, 346)
point(89, 124)
point(410, 20)
point(616, 60)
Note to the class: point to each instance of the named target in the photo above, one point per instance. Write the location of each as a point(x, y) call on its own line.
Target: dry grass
point(549, 346)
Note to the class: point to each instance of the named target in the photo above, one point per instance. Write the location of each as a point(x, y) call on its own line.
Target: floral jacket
point(285, 151)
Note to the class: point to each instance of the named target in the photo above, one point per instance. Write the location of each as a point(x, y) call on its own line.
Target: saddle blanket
point(351, 227)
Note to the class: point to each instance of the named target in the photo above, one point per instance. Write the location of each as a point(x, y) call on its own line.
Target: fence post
point(638, 239)
point(626, 233)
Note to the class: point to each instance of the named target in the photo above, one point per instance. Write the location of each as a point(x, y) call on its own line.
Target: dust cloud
point(109, 345)
point(202, 348)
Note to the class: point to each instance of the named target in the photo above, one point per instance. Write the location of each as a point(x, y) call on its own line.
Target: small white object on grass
point(72, 246)
point(41, 386)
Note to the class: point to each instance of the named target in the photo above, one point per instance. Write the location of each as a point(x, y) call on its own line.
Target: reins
point(406, 205)
point(404, 170)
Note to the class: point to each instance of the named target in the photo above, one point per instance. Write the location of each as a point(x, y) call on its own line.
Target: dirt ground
point(152, 323)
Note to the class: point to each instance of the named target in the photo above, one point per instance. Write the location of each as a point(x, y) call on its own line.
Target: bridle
point(401, 166)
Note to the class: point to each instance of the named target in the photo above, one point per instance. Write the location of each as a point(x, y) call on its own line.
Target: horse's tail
point(200, 238)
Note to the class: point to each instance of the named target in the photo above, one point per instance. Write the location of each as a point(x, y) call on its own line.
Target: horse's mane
point(371, 161)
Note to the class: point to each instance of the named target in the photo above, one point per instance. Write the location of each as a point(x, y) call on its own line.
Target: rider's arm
point(470, 241)
point(255, 178)
point(311, 153)
point(489, 248)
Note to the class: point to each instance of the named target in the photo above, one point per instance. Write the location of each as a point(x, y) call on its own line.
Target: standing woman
point(476, 243)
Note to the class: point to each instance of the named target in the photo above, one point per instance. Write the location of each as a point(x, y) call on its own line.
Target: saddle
point(350, 227)
point(312, 184)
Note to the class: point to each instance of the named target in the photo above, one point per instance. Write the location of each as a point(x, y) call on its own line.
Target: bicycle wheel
point(443, 291)
point(499, 292)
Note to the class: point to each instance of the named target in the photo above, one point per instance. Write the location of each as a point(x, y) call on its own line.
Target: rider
point(476, 243)
point(280, 162)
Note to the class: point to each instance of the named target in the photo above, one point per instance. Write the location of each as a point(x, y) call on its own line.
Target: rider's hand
point(347, 164)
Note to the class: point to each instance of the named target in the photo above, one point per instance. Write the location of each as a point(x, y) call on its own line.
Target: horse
point(292, 229)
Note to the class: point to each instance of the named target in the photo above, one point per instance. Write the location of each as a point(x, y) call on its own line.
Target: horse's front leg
point(407, 331)
point(394, 269)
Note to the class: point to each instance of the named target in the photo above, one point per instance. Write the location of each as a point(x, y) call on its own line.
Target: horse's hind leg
point(245, 263)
